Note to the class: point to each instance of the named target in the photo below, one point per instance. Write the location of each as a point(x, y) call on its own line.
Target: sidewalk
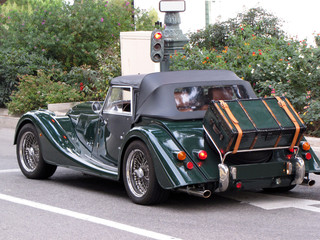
point(7, 121)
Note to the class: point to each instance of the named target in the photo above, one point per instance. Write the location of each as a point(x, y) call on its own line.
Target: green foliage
point(272, 64)
point(74, 38)
point(94, 83)
point(15, 62)
point(216, 36)
point(23, 5)
point(109, 68)
point(35, 92)
point(145, 20)
point(317, 40)
point(54, 85)
point(69, 34)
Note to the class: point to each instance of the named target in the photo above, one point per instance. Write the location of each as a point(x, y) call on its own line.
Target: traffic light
point(157, 46)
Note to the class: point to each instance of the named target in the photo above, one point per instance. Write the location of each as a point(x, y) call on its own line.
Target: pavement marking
point(85, 217)
point(271, 202)
point(10, 170)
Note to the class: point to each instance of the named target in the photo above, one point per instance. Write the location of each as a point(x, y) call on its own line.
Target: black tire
point(139, 176)
point(279, 189)
point(29, 155)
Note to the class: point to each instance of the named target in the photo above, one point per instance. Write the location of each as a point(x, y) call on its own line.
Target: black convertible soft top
point(155, 91)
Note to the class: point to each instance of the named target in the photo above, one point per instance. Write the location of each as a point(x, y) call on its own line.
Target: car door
point(116, 120)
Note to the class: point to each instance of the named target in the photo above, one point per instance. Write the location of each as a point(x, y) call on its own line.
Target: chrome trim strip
point(107, 168)
point(213, 142)
point(233, 171)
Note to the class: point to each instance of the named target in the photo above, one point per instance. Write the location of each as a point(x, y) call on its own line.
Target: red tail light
point(307, 156)
point(289, 156)
point(189, 165)
point(202, 155)
point(239, 185)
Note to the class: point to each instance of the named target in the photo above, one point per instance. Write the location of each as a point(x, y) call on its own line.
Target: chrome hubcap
point(137, 173)
point(29, 151)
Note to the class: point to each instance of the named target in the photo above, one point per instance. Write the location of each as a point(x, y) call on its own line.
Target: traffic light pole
point(171, 40)
point(174, 39)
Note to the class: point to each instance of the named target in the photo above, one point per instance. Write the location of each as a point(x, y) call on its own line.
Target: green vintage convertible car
point(150, 133)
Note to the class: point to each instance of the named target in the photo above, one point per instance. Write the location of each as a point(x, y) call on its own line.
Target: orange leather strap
point(283, 105)
point(294, 111)
point(222, 114)
point(225, 106)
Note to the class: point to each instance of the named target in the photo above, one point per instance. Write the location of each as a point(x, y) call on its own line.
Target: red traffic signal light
point(157, 35)
point(157, 46)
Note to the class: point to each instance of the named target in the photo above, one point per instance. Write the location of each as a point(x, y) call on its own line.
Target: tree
point(23, 5)
point(69, 37)
point(217, 35)
point(70, 34)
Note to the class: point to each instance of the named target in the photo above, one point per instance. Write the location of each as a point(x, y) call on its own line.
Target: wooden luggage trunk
point(253, 124)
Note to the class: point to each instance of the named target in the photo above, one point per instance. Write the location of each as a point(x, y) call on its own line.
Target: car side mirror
point(96, 107)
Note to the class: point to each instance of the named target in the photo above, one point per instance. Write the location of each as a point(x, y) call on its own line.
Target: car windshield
point(198, 98)
point(118, 101)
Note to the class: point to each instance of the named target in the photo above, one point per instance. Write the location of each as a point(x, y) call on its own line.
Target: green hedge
point(14, 62)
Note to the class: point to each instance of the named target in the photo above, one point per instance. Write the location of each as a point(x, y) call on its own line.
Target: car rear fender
point(313, 164)
point(171, 173)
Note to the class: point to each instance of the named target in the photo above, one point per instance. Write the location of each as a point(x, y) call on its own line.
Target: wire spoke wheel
point(29, 151)
point(137, 173)
point(29, 155)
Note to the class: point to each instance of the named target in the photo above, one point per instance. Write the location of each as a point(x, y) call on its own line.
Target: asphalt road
point(73, 206)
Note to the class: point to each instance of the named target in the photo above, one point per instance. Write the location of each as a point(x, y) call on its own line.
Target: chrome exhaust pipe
point(308, 182)
point(196, 192)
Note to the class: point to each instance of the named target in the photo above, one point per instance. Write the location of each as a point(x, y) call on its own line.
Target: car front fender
point(60, 145)
point(54, 139)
